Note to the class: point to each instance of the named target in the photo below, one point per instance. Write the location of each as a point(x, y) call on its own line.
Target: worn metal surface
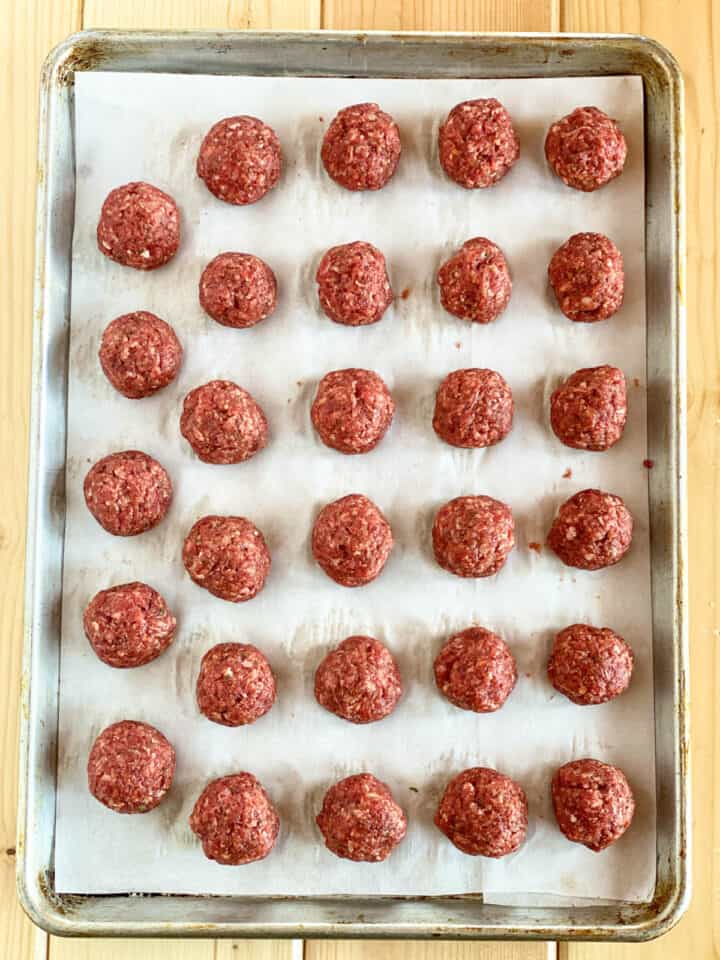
point(350, 54)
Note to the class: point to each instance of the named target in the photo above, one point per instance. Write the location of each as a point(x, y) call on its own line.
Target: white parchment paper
point(149, 127)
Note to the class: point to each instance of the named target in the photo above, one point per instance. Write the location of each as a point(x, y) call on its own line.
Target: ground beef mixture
point(475, 670)
point(139, 226)
point(588, 277)
point(139, 354)
point(235, 820)
point(131, 767)
point(591, 530)
point(128, 625)
point(227, 556)
point(589, 410)
point(359, 681)
point(352, 410)
point(353, 285)
point(586, 149)
point(475, 282)
point(238, 290)
point(235, 685)
point(360, 819)
point(472, 536)
point(483, 813)
point(351, 540)
point(590, 664)
point(240, 160)
point(361, 149)
point(473, 408)
point(127, 493)
point(593, 803)
point(223, 423)
point(477, 143)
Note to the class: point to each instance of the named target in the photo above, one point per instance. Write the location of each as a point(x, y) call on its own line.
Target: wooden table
point(689, 28)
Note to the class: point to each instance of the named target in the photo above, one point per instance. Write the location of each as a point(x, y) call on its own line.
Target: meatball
point(353, 285)
point(139, 354)
point(351, 540)
point(131, 767)
point(227, 556)
point(591, 530)
point(593, 802)
point(238, 290)
point(473, 408)
point(240, 160)
point(223, 423)
point(359, 681)
point(139, 226)
point(361, 148)
point(588, 277)
point(235, 820)
point(477, 143)
point(483, 813)
point(235, 685)
point(472, 536)
point(589, 410)
point(590, 664)
point(475, 670)
point(475, 282)
point(360, 819)
point(586, 149)
point(127, 493)
point(128, 625)
point(352, 410)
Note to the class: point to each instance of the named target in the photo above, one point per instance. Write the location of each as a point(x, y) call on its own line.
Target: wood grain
point(689, 31)
point(28, 32)
point(525, 15)
point(414, 950)
point(203, 14)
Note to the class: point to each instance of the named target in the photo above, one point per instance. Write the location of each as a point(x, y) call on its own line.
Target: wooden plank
point(203, 14)
point(687, 30)
point(66, 949)
point(29, 30)
point(414, 950)
point(476, 15)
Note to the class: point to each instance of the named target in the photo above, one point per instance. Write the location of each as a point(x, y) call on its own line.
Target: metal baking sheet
point(436, 57)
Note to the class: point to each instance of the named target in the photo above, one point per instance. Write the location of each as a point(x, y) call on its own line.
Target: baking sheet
point(149, 127)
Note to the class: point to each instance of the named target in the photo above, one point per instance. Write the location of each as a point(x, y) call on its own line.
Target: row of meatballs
point(482, 812)
point(240, 160)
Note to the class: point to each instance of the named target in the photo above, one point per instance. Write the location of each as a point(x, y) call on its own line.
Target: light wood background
point(29, 28)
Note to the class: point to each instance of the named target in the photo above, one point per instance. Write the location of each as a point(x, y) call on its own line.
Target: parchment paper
point(149, 127)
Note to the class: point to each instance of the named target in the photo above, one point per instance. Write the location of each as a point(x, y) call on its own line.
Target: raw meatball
point(475, 670)
point(238, 290)
point(352, 410)
point(589, 410)
point(483, 812)
point(360, 819)
point(475, 282)
point(586, 149)
point(351, 540)
point(223, 423)
point(358, 681)
point(590, 664)
point(472, 536)
point(353, 285)
point(240, 160)
point(588, 277)
point(477, 143)
point(361, 148)
point(127, 492)
point(591, 530)
point(131, 767)
point(593, 803)
point(235, 685)
point(128, 625)
point(139, 354)
point(227, 556)
point(235, 820)
point(139, 226)
point(473, 408)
